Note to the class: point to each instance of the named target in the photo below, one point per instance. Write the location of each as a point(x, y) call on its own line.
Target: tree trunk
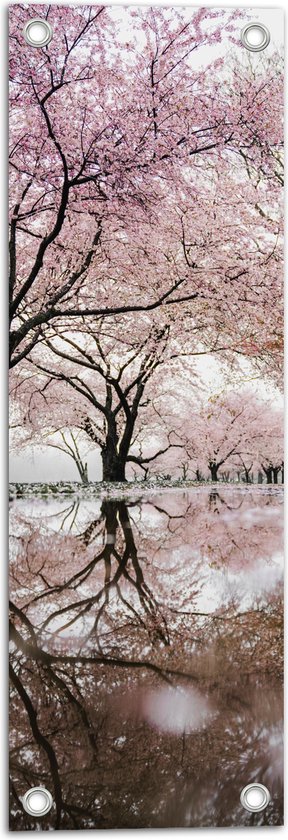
point(275, 474)
point(113, 465)
point(282, 474)
point(214, 471)
point(260, 477)
point(268, 473)
point(83, 471)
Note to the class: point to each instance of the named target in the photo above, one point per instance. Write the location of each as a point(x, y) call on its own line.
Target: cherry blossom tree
point(70, 189)
point(158, 429)
point(160, 225)
point(245, 462)
point(146, 230)
point(240, 425)
point(228, 431)
point(271, 451)
point(88, 205)
point(96, 392)
point(229, 427)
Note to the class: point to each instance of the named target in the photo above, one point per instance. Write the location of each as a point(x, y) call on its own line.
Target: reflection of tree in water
point(105, 611)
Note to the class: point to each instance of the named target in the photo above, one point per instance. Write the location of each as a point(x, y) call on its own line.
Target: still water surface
point(146, 657)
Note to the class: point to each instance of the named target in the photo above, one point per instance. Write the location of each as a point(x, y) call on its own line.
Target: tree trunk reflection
point(146, 669)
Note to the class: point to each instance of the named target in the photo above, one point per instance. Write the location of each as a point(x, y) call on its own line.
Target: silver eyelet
point(255, 37)
point(37, 801)
point(255, 797)
point(37, 32)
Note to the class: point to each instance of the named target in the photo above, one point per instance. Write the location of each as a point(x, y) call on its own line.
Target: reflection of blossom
point(137, 637)
point(177, 710)
point(185, 553)
point(274, 772)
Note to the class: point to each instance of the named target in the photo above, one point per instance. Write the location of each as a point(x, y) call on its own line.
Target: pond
point(146, 656)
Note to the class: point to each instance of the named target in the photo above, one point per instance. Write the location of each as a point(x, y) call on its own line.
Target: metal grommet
point(255, 797)
point(37, 32)
point(255, 37)
point(37, 801)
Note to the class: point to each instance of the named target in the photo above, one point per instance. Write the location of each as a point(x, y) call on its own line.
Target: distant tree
point(271, 452)
point(230, 429)
point(68, 442)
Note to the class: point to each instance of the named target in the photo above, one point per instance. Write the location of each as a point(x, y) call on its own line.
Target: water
point(146, 657)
